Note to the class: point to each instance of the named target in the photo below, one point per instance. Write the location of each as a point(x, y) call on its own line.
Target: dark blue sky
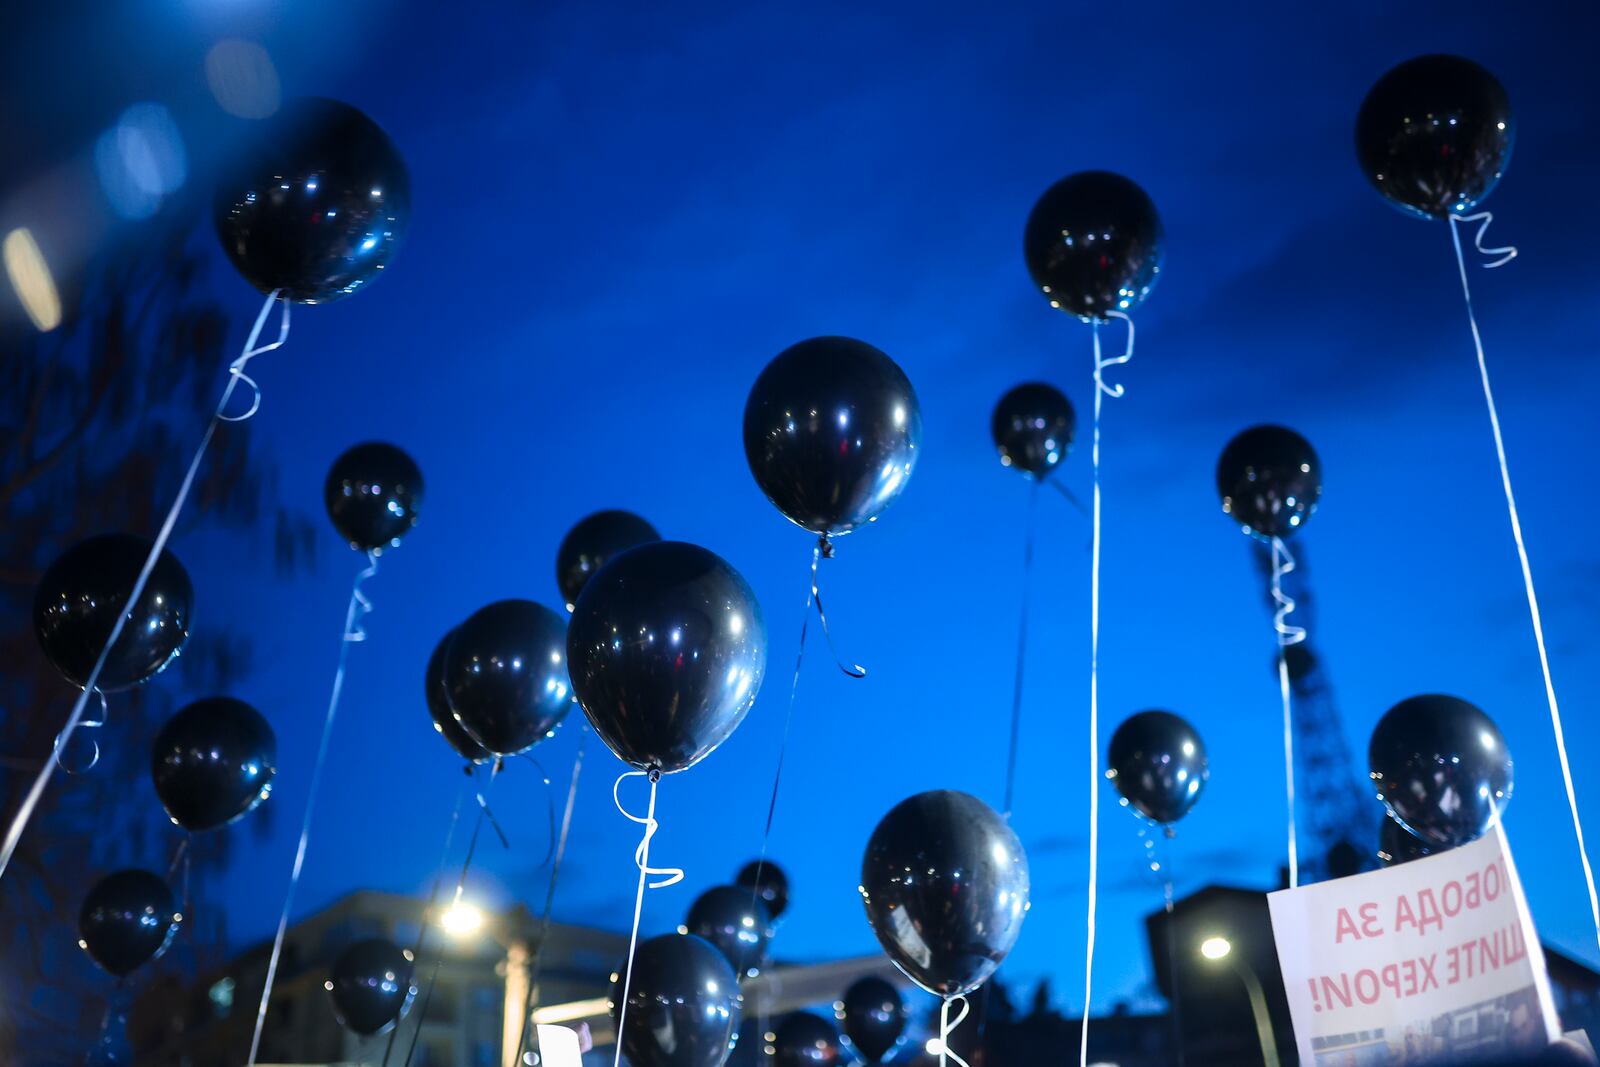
point(621, 216)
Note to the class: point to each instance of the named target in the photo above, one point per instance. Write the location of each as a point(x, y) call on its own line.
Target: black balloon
point(945, 884)
point(668, 648)
point(128, 919)
point(1397, 845)
point(371, 984)
point(767, 880)
point(1442, 767)
point(77, 602)
point(316, 205)
point(213, 762)
point(874, 1017)
point(832, 430)
point(1158, 764)
point(372, 494)
point(1434, 135)
point(444, 719)
point(1269, 479)
point(505, 674)
point(736, 921)
point(593, 541)
point(806, 1040)
point(1094, 244)
point(1032, 427)
point(683, 1004)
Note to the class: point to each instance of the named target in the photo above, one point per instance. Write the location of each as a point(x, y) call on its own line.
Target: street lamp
point(1216, 949)
point(463, 921)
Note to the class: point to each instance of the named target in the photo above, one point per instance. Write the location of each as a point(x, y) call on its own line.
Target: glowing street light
point(1216, 949)
point(461, 919)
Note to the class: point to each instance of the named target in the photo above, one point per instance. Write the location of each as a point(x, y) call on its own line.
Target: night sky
point(620, 217)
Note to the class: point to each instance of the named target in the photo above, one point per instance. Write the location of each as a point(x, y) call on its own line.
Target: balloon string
point(824, 550)
point(1505, 254)
point(357, 607)
point(1022, 646)
point(641, 857)
point(947, 1026)
point(19, 821)
point(549, 812)
point(550, 897)
point(1068, 495)
point(455, 900)
point(433, 894)
point(1167, 879)
point(1282, 564)
point(105, 1024)
point(1484, 218)
point(84, 724)
point(1101, 390)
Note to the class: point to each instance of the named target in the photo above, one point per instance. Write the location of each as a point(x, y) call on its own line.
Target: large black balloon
point(591, 543)
point(371, 984)
point(213, 762)
point(1269, 479)
point(874, 1017)
point(1434, 135)
point(317, 203)
point(1397, 845)
point(668, 647)
point(945, 884)
point(736, 921)
point(767, 880)
point(683, 1004)
point(372, 493)
point(1442, 767)
point(128, 919)
point(505, 674)
point(1158, 764)
point(1094, 244)
point(806, 1040)
point(77, 602)
point(444, 719)
point(832, 430)
point(1032, 426)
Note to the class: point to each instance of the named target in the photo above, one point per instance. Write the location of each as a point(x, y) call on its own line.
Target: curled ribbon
point(1101, 363)
point(641, 858)
point(825, 549)
point(1483, 218)
point(236, 372)
point(947, 1027)
point(1282, 564)
point(360, 605)
point(85, 723)
point(641, 855)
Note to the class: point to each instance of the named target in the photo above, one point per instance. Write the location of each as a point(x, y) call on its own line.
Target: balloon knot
point(825, 546)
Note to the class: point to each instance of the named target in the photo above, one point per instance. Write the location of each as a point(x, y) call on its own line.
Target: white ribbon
point(19, 822)
point(1101, 390)
point(357, 608)
point(947, 1026)
point(1483, 218)
point(83, 724)
point(641, 857)
point(1282, 564)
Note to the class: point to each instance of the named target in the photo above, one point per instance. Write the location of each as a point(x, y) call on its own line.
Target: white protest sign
point(1436, 957)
